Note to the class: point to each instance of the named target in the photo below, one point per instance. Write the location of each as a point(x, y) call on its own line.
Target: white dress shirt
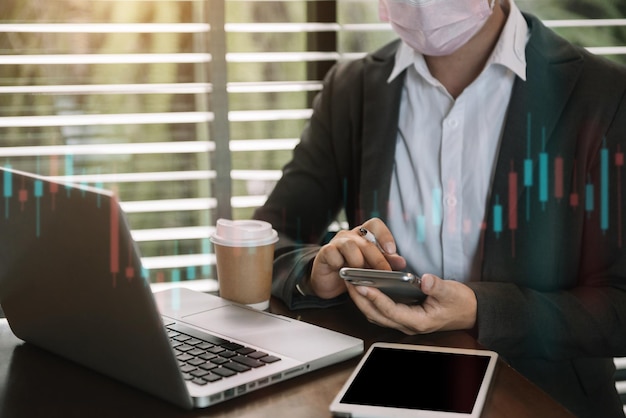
point(445, 157)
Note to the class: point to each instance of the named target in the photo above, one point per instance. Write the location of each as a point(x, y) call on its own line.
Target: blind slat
point(91, 89)
point(168, 234)
point(268, 115)
point(106, 119)
point(168, 205)
point(248, 57)
point(104, 27)
point(79, 59)
point(157, 176)
point(180, 147)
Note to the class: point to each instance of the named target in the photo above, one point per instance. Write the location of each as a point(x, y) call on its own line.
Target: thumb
point(430, 285)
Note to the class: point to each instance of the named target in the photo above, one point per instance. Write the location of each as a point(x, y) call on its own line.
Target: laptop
point(71, 282)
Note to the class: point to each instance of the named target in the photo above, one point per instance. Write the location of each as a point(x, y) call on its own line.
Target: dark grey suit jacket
point(552, 294)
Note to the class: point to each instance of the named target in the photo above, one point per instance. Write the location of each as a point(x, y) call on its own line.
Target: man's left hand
point(449, 305)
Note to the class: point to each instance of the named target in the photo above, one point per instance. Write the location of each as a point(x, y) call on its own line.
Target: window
point(189, 108)
point(115, 94)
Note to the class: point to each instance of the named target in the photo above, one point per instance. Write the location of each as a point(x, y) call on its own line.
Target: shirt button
point(451, 201)
point(453, 123)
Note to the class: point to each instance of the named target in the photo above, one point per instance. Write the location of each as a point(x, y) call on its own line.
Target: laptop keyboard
point(204, 358)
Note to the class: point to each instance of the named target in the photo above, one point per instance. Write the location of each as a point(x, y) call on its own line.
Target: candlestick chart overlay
point(42, 211)
point(534, 182)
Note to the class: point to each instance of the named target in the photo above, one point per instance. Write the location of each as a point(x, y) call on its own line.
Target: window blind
point(188, 108)
point(116, 94)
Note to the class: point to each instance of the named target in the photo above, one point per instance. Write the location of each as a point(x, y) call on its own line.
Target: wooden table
point(35, 383)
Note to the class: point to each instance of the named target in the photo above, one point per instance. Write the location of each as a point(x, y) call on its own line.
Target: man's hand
point(350, 249)
point(449, 305)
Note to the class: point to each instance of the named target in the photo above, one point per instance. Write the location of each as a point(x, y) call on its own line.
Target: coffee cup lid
point(243, 233)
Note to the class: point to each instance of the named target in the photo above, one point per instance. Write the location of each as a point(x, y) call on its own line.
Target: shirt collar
point(510, 51)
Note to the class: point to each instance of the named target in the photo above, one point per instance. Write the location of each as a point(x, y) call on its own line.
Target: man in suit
point(486, 154)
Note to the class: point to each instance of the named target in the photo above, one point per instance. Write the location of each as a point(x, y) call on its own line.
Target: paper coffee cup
point(244, 253)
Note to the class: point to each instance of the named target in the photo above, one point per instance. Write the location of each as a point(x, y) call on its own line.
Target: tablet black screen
point(414, 379)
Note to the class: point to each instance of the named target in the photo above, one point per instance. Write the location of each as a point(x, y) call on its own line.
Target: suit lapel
point(553, 67)
point(380, 126)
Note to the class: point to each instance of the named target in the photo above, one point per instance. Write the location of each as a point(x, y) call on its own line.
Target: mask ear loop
point(493, 3)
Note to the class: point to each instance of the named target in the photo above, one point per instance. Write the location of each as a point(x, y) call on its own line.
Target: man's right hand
point(349, 249)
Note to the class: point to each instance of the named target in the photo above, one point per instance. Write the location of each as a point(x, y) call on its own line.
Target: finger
point(374, 259)
point(375, 305)
point(382, 234)
point(450, 304)
point(397, 262)
point(353, 252)
point(330, 256)
point(343, 250)
point(433, 286)
point(380, 309)
point(385, 242)
point(324, 278)
point(358, 252)
point(374, 256)
point(370, 311)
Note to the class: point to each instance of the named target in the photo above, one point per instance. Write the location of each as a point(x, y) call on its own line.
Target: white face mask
point(436, 27)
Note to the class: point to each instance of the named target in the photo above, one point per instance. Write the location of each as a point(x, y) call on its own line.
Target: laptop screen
point(71, 282)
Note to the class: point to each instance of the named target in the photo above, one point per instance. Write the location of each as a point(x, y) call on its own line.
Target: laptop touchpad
point(281, 335)
point(253, 327)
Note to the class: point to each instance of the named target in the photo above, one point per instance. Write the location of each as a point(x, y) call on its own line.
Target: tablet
point(402, 380)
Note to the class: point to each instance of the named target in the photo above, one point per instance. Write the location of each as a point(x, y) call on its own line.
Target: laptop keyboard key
point(207, 356)
point(200, 382)
point(204, 345)
point(219, 360)
point(182, 337)
point(196, 352)
point(269, 359)
point(257, 354)
point(184, 357)
point(227, 354)
point(216, 350)
point(224, 372)
point(237, 367)
point(232, 346)
point(212, 377)
point(250, 362)
point(187, 368)
point(199, 373)
point(184, 347)
point(195, 361)
point(208, 366)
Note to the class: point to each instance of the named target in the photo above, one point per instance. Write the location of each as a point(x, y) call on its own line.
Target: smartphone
point(398, 285)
